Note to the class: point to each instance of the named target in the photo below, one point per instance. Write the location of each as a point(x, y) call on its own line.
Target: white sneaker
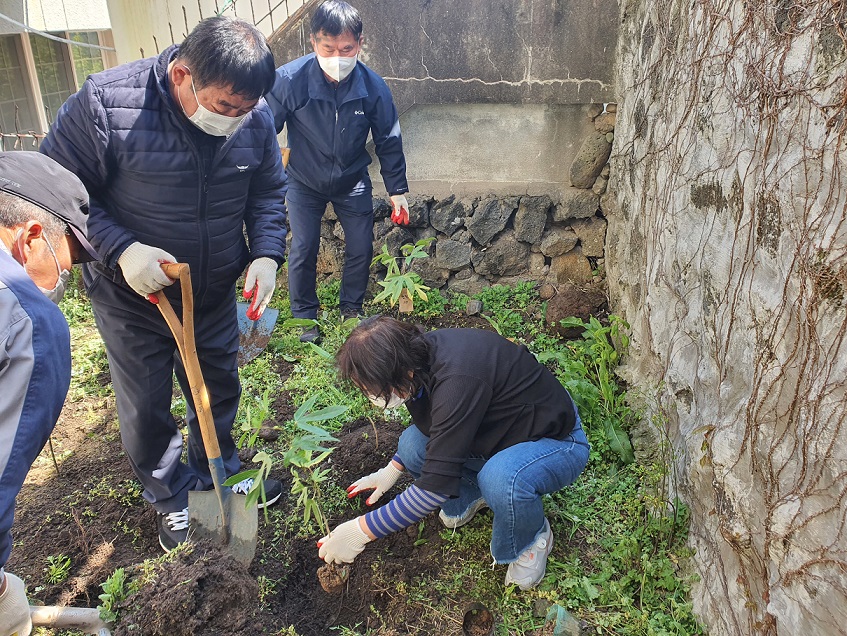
point(458, 522)
point(529, 569)
point(273, 490)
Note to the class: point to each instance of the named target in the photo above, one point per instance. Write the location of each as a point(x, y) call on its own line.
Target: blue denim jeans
point(511, 482)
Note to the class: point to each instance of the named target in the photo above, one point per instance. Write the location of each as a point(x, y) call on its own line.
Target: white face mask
point(394, 401)
point(338, 68)
point(58, 292)
point(210, 122)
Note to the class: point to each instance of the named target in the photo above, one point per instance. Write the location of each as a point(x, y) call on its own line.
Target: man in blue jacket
point(43, 210)
point(330, 101)
point(179, 155)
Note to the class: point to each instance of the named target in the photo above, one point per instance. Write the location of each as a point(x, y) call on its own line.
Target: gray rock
point(504, 257)
point(531, 218)
point(576, 203)
point(558, 241)
point(396, 238)
point(610, 137)
point(330, 215)
point(605, 171)
point(609, 204)
point(469, 286)
point(448, 216)
point(328, 230)
point(546, 291)
point(593, 110)
point(590, 159)
point(592, 235)
point(600, 184)
point(330, 258)
point(611, 108)
point(419, 210)
point(473, 308)
point(452, 255)
point(490, 218)
point(538, 267)
point(605, 123)
point(381, 228)
point(429, 271)
point(338, 231)
point(382, 209)
point(464, 274)
point(572, 266)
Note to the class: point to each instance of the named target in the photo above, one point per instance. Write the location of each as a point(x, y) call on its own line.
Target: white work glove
point(14, 609)
point(380, 482)
point(343, 544)
point(400, 209)
point(141, 265)
point(259, 284)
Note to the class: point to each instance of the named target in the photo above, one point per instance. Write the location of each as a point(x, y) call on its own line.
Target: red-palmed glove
point(380, 482)
point(259, 284)
point(399, 209)
point(343, 544)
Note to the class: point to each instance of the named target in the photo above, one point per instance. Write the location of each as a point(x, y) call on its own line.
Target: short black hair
point(335, 17)
point(229, 52)
point(15, 210)
point(379, 354)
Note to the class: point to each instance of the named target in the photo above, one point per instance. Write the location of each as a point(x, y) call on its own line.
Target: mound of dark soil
point(200, 591)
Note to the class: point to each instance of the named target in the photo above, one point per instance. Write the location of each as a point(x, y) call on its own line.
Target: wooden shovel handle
point(184, 336)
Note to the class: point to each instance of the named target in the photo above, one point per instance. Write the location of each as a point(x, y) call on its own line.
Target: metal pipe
point(84, 618)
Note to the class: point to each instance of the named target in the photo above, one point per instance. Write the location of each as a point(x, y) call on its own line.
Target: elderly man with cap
point(43, 214)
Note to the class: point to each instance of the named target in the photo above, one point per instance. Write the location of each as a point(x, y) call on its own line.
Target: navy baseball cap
point(43, 182)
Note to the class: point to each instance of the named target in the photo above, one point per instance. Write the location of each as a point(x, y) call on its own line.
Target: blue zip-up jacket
point(328, 127)
point(153, 177)
point(35, 372)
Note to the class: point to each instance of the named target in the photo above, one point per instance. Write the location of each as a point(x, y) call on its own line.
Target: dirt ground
point(91, 511)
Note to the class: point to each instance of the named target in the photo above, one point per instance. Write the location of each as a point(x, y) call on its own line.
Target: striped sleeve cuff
point(409, 507)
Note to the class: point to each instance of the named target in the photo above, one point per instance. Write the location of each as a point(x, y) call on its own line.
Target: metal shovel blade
point(236, 534)
point(253, 335)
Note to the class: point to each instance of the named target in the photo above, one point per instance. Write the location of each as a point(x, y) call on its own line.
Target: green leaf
point(327, 413)
point(591, 591)
point(305, 407)
point(245, 474)
point(619, 441)
point(300, 322)
point(323, 353)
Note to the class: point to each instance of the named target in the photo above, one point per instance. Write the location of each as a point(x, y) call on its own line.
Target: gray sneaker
point(310, 334)
point(458, 522)
point(529, 569)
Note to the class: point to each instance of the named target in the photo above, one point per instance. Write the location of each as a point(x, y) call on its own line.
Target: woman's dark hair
point(335, 17)
point(380, 352)
point(229, 52)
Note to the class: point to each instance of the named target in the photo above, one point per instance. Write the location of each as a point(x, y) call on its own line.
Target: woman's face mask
point(393, 402)
point(210, 122)
point(337, 67)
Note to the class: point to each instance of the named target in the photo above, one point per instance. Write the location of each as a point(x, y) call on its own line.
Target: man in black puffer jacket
point(178, 154)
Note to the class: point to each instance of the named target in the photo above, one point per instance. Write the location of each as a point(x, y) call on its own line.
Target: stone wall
point(727, 252)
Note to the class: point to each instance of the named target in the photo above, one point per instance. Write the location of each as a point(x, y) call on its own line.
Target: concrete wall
point(727, 252)
point(55, 15)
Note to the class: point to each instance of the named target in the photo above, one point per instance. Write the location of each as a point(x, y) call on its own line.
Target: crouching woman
point(491, 428)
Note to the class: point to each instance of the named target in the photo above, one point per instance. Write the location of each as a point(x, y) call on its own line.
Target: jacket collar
point(160, 68)
point(353, 87)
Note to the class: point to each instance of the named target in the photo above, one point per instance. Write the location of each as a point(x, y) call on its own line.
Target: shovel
point(218, 515)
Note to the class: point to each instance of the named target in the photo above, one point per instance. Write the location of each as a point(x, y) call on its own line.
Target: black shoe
point(173, 528)
point(273, 491)
point(347, 314)
point(312, 334)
